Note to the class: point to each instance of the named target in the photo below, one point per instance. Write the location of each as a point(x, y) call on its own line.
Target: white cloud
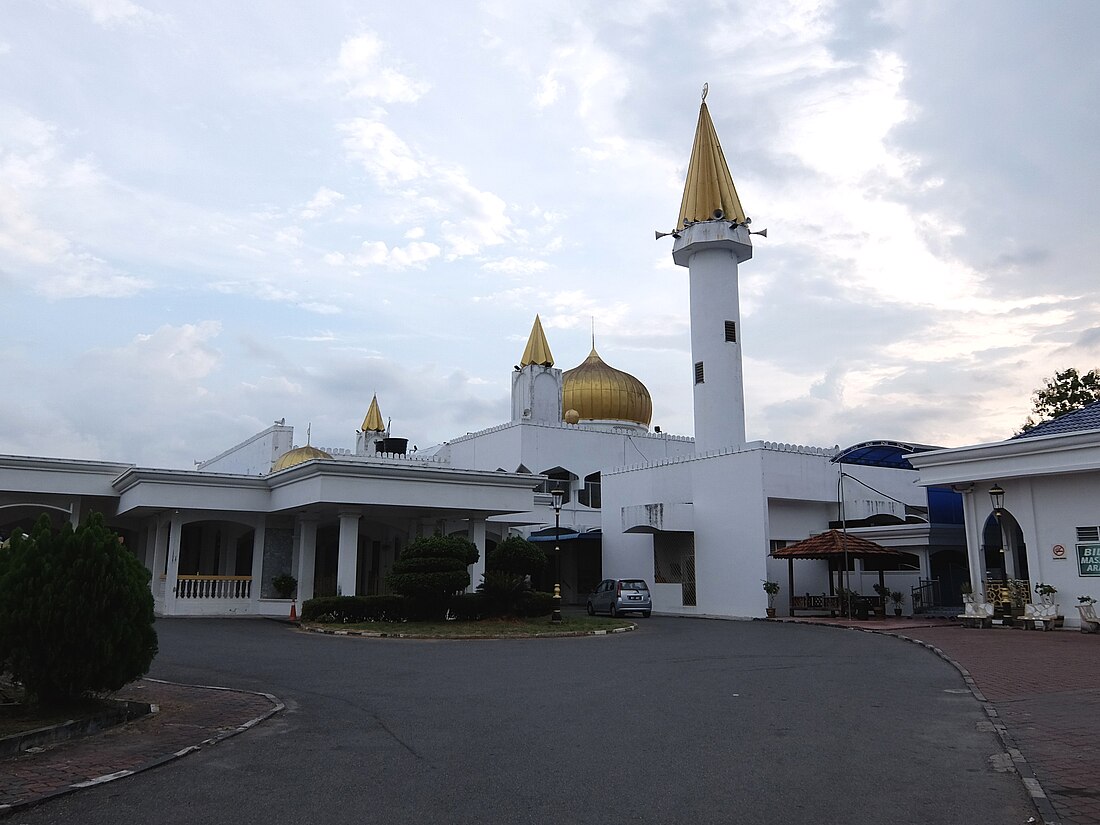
point(377, 253)
point(516, 266)
point(321, 202)
point(384, 155)
point(363, 73)
point(112, 13)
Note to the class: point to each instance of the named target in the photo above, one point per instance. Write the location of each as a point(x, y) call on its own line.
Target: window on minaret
point(698, 372)
point(731, 331)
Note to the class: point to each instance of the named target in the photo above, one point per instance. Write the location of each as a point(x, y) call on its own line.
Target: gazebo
point(835, 547)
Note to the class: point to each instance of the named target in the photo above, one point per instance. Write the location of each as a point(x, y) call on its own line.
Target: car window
point(634, 584)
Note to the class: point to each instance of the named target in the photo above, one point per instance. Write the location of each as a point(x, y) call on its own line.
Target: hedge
point(350, 609)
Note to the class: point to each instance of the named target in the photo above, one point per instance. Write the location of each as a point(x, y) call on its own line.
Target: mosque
point(576, 467)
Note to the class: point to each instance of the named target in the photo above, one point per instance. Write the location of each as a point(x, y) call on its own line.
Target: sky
point(216, 215)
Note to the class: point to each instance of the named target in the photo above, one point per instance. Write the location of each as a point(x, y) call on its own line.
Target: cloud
point(114, 13)
point(376, 253)
point(382, 154)
point(363, 73)
point(320, 203)
point(516, 266)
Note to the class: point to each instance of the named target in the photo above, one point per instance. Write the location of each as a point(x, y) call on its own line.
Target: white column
point(175, 533)
point(160, 549)
point(307, 558)
point(259, 538)
point(74, 512)
point(975, 555)
point(348, 558)
point(149, 555)
point(476, 534)
point(711, 250)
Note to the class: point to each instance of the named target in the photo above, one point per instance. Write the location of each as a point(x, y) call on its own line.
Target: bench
point(1042, 616)
point(1089, 622)
point(977, 614)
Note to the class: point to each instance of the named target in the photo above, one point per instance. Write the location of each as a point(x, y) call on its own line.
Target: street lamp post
point(997, 499)
point(557, 496)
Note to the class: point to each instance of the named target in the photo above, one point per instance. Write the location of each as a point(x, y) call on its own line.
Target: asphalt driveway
point(683, 721)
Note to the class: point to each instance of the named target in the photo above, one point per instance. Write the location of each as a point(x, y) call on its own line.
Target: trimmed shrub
point(430, 571)
point(518, 556)
point(76, 612)
point(537, 603)
point(351, 609)
point(503, 593)
point(468, 607)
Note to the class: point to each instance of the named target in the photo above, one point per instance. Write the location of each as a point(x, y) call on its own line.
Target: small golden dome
point(571, 417)
point(598, 392)
point(298, 455)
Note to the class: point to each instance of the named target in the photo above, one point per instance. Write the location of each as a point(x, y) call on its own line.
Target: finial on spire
point(309, 429)
point(593, 333)
point(706, 88)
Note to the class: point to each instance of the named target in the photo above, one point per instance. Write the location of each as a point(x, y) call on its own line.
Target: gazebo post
point(790, 587)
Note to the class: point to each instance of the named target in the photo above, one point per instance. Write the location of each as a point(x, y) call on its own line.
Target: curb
point(276, 707)
point(1023, 768)
point(1032, 785)
point(382, 634)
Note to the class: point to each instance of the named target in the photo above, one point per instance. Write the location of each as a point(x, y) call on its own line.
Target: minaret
point(373, 430)
point(712, 238)
point(536, 385)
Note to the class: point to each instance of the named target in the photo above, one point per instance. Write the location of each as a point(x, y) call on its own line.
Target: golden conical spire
point(537, 351)
point(373, 421)
point(709, 185)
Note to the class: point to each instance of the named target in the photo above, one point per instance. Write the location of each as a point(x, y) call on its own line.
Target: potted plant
point(772, 589)
point(284, 585)
point(896, 596)
point(1046, 593)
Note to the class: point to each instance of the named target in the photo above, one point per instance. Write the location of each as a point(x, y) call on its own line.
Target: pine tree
point(76, 612)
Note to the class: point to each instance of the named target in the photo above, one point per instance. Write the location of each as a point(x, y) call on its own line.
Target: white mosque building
point(696, 517)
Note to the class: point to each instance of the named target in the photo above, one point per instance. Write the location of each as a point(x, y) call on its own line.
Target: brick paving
point(1045, 688)
point(188, 718)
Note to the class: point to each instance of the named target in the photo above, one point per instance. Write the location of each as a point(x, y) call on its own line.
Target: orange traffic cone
point(293, 611)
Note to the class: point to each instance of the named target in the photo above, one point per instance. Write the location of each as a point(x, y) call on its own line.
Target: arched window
point(558, 478)
point(589, 494)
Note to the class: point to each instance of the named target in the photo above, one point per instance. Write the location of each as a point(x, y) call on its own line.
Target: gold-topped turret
point(537, 350)
point(709, 192)
point(373, 422)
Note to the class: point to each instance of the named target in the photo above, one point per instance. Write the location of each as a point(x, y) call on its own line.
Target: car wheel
point(591, 610)
point(612, 612)
point(645, 614)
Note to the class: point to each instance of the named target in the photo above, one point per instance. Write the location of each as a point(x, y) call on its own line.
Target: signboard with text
point(1088, 559)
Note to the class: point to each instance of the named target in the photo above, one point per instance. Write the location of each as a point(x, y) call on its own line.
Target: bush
point(350, 609)
point(518, 556)
point(537, 603)
point(503, 593)
point(468, 607)
point(430, 571)
point(76, 613)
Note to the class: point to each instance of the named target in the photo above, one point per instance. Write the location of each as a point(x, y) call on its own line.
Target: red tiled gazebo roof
point(830, 545)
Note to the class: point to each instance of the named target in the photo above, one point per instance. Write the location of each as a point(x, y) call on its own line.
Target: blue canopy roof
point(882, 454)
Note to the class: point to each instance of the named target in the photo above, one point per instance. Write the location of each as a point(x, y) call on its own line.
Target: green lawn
point(484, 629)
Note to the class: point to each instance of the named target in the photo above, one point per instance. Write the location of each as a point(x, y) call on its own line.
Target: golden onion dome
point(599, 392)
point(299, 455)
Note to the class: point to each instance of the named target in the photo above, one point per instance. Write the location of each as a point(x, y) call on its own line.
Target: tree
point(517, 555)
point(432, 569)
point(76, 612)
point(1067, 391)
point(506, 586)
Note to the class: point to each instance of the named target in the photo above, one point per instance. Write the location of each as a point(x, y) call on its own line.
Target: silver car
point(615, 596)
